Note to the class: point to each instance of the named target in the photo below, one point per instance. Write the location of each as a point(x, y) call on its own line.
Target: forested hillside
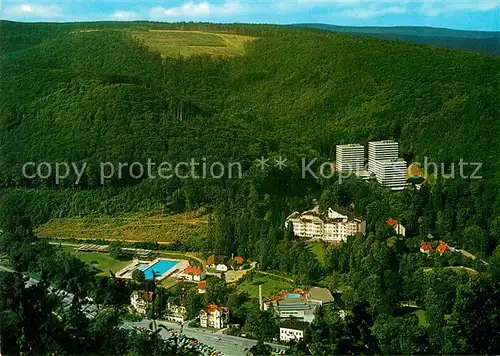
point(96, 92)
point(487, 42)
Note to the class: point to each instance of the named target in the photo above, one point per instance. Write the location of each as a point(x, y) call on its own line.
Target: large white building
point(383, 161)
point(333, 226)
point(381, 151)
point(350, 158)
point(291, 334)
point(391, 173)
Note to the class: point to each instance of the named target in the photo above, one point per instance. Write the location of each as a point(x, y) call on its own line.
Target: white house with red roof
point(214, 316)
point(192, 273)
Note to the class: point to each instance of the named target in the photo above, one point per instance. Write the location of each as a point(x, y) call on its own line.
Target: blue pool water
point(293, 296)
point(159, 268)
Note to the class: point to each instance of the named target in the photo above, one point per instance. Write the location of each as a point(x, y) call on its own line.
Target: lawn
point(101, 262)
point(270, 285)
point(318, 248)
point(175, 43)
point(128, 228)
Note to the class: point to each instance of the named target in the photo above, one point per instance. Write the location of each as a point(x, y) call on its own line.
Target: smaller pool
point(142, 266)
point(292, 296)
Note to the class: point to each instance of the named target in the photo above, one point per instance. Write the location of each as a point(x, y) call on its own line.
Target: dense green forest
point(487, 42)
point(101, 96)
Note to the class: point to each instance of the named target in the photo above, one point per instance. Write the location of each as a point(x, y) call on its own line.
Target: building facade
point(140, 301)
point(291, 334)
point(332, 226)
point(381, 151)
point(214, 316)
point(391, 173)
point(175, 313)
point(350, 158)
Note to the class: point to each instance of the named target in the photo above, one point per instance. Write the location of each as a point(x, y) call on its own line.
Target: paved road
point(227, 344)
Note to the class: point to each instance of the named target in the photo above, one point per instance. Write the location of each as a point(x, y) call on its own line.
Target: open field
point(270, 285)
point(318, 248)
point(130, 228)
point(174, 43)
point(102, 262)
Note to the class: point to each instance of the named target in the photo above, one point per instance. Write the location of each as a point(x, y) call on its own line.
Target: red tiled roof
point(426, 246)
point(442, 248)
point(239, 259)
point(147, 296)
point(194, 270)
point(213, 307)
point(391, 222)
point(202, 285)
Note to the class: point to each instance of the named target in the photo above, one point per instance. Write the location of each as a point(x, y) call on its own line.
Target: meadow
point(176, 43)
point(127, 228)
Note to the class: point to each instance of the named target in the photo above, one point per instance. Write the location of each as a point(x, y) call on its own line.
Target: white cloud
point(125, 16)
point(32, 11)
point(191, 9)
point(373, 11)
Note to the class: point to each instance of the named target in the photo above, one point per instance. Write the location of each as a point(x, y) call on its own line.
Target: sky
point(458, 14)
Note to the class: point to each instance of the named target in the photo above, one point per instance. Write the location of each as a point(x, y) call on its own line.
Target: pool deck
point(126, 273)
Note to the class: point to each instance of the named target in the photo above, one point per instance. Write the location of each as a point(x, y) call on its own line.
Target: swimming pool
point(160, 268)
point(292, 296)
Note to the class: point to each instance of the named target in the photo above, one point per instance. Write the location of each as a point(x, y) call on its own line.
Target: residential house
point(426, 248)
point(332, 226)
point(202, 287)
point(221, 267)
point(140, 301)
point(442, 247)
point(193, 273)
point(175, 312)
point(399, 228)
point(210, 263)
point(214, 316)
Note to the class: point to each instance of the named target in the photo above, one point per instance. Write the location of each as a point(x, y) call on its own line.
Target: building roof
point(202, 285)
point(213, 307)
point(392, 222)
point(239, 260)
point(144, 295)
point(321, 294)
point(425, 246)
point(210, 260)
point(193, 270)
point(442, 247)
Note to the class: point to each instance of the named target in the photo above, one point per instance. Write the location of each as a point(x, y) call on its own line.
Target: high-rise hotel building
point(380, 151)
point(391, 173)
point(383, 161)
point(350, 158)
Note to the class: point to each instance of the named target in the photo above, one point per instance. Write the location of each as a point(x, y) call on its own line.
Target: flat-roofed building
point(381, 151)
point(391, 173)
point(350, 158)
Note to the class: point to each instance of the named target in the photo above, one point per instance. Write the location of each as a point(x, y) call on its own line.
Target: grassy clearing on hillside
point(270, 286)
point(173, 43)
point(102, 262)
point(318, 248)
point(130, 228)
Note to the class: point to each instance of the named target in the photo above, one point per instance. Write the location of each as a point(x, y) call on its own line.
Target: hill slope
point(104, 97)
point(487, 42)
